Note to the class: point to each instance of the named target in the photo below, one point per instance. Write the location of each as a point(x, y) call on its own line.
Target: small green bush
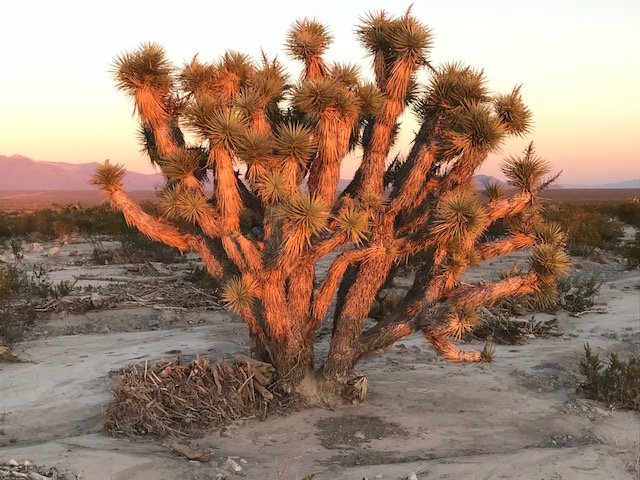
point(15, 320)
point(615, 382)
point(627, 212)
point(631, 252)
point(20, 294)
point(577, 294)
point(587, 227)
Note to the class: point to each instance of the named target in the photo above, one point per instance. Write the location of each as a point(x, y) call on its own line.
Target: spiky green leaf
point(271, 187)
point(474, 132)
point(549, 260)
point(294, 142)
point(108, 176)
point(181, 163)
point(307, 38)
point(191, 205)
point(145, 67)
point(495, 190)
point(225, 129)
point(237, 295)
point(513, 113)
point(354, 224)
point(459, 217)
point(526, 172)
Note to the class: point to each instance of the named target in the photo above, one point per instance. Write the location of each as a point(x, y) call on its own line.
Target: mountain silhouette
point(18, 172)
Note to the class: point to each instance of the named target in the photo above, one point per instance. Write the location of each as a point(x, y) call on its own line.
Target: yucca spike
point(108, 176)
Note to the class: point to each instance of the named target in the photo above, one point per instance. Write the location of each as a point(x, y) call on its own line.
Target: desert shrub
point(576, 294)
point(15, 244)
point(614, 381)
point(20, 295)
point(15, 320)
point(59, 222)
point(627, 212)
point(631, 252)
point(6, 230)
point(63, 229)
point(587, 228)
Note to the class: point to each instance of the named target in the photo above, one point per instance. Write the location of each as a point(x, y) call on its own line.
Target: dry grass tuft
point(176, 399)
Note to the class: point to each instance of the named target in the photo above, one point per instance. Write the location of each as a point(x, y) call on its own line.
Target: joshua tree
point(261, 232)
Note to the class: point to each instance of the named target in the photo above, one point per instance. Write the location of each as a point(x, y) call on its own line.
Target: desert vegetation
point(290, 138)
point(614, 381)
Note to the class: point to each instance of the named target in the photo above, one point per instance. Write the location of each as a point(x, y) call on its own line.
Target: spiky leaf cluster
point(269, 81)
point(526, 172)
point(495, 190)
point(451, 87)
point(181, 165)
point(305, 212)
point(272, 188)
point(459, 217)
point(474, 131)
point(255, 146)
point(108, 176)
point(548, 260)
point(370, 99)
point(315, 96)
point(224, 129)
point(461, 322)
point(389, 39)
point(238, 294)
point(197, 78)
point(145, 67)
point(307, 38)
point(294, 142)
point(513, 113)
point(304, 216)
point(354, 224)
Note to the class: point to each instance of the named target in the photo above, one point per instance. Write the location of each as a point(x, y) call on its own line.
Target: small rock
point(35, 247)
point(233, 465)
point(97, 300)
point(105, 330)
point(153, 324)
point(359, 435)
point(54, 252)
point(413, 476)
point(242, 460)
point(602, 412)
point(12, 463)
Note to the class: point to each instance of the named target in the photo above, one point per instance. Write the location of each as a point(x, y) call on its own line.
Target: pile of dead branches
point(172, 398)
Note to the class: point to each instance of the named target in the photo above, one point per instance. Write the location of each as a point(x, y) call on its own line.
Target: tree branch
point(161, 231)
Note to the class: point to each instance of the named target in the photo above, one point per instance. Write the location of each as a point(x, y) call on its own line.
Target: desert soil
point(517, 418)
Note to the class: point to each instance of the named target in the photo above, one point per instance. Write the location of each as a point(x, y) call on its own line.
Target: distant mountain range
point(18, 172)
point(635, 183)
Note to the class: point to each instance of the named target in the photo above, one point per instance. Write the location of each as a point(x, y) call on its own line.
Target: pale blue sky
point(578, 62)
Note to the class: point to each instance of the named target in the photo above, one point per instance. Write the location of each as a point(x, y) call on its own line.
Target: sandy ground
point(518, 418)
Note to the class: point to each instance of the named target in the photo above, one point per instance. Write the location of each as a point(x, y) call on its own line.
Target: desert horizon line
point(343, 176)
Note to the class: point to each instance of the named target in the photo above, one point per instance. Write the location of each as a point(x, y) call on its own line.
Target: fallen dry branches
point(178, 399)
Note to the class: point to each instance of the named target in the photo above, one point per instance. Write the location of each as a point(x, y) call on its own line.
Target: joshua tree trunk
point(292, 138)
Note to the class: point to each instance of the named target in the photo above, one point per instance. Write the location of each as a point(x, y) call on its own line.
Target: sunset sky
point(578, 62)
